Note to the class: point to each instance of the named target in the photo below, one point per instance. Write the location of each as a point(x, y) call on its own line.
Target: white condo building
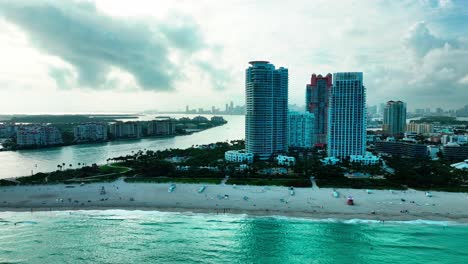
point(347, 115)
point(266, 120)
point(239, 156)
point(90, 132)
point(126, 129)
point(301, 130)
point(38, 135)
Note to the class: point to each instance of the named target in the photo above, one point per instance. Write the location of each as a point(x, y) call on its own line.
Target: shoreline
point(309, 203)
point(254, 213)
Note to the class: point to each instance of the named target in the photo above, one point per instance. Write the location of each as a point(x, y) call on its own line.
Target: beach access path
point(255, 200)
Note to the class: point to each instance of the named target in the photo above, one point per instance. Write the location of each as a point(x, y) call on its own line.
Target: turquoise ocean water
point(119, 236)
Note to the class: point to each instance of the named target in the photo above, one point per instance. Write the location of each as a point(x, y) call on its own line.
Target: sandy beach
point(255, 200)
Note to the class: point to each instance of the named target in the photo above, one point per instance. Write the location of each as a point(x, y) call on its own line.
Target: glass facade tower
point(266, 119)
point(347, 115)
point(394, 122)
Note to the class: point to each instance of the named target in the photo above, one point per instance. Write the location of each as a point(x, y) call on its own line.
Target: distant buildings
point(200, 119)
point(401, 148)
point(457, 139)
point(347, 115)
point(239, 156)
point(126, 130)
point(285, 160)
point(161, 126)
point(267, 109)
point(90, 132)
point(367, 159)
point(455, 152)
point(37, 136)
point(229, 109)
point(420, 128)
point(7, 130)
point(217, 119)
point(317, 94)
point(300, 130)
point(394, 122)
point(462, 112)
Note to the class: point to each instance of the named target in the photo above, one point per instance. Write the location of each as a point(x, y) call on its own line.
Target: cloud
point(94, 44)
point(420, 40)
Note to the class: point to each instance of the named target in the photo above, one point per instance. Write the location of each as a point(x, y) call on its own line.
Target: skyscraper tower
point(266, 120)
point(317, 93)
point(347, 115)
point(395, 118)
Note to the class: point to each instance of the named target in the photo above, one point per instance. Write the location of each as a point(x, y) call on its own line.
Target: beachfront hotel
point(301, 126)
point(266, 120)
point(317, 94)
point(347, 115)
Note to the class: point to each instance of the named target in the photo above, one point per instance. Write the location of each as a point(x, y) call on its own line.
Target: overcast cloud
point(93, 43)
point(117, 56)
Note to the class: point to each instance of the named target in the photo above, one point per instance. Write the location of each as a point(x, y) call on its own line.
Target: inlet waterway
point(24, 162)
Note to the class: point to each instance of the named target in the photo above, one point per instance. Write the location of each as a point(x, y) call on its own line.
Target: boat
point(171, 188)
point(428, 194)
point(368, 191)
point(350, 201)
point(336, 194)
point(202, 189)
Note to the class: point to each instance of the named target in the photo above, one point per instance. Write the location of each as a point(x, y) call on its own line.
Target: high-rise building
point(38, 135)
point(161, 126)
point(394, 122)
point(266, 120)
point(347, 115)
point(126, 129)
point(317, 93)
point(300, 127)
point(90, 132)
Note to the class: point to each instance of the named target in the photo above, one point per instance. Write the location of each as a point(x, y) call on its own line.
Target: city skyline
point(184, 54)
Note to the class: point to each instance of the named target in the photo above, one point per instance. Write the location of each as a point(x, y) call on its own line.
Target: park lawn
point(113, 168)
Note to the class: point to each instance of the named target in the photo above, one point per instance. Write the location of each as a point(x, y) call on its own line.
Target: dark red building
point(317, 93)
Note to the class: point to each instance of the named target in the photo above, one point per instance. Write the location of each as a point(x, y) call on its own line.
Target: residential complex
point(267, 109)
point(455, 152)
point(300, 127)
point(420, 128)
point(317, 94)
point(347, 115)
point(8, 130)
point(126, 129)
point(89, 132)
point(394, 122)
point(285, 160)
point(401, 148)
point(38, 135)
point(240, 156)
point(161, 126)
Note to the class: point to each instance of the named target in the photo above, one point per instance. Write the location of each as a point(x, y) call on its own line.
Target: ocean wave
point(362, 221)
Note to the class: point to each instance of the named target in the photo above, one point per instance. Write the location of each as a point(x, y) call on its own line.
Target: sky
point(75, 56)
